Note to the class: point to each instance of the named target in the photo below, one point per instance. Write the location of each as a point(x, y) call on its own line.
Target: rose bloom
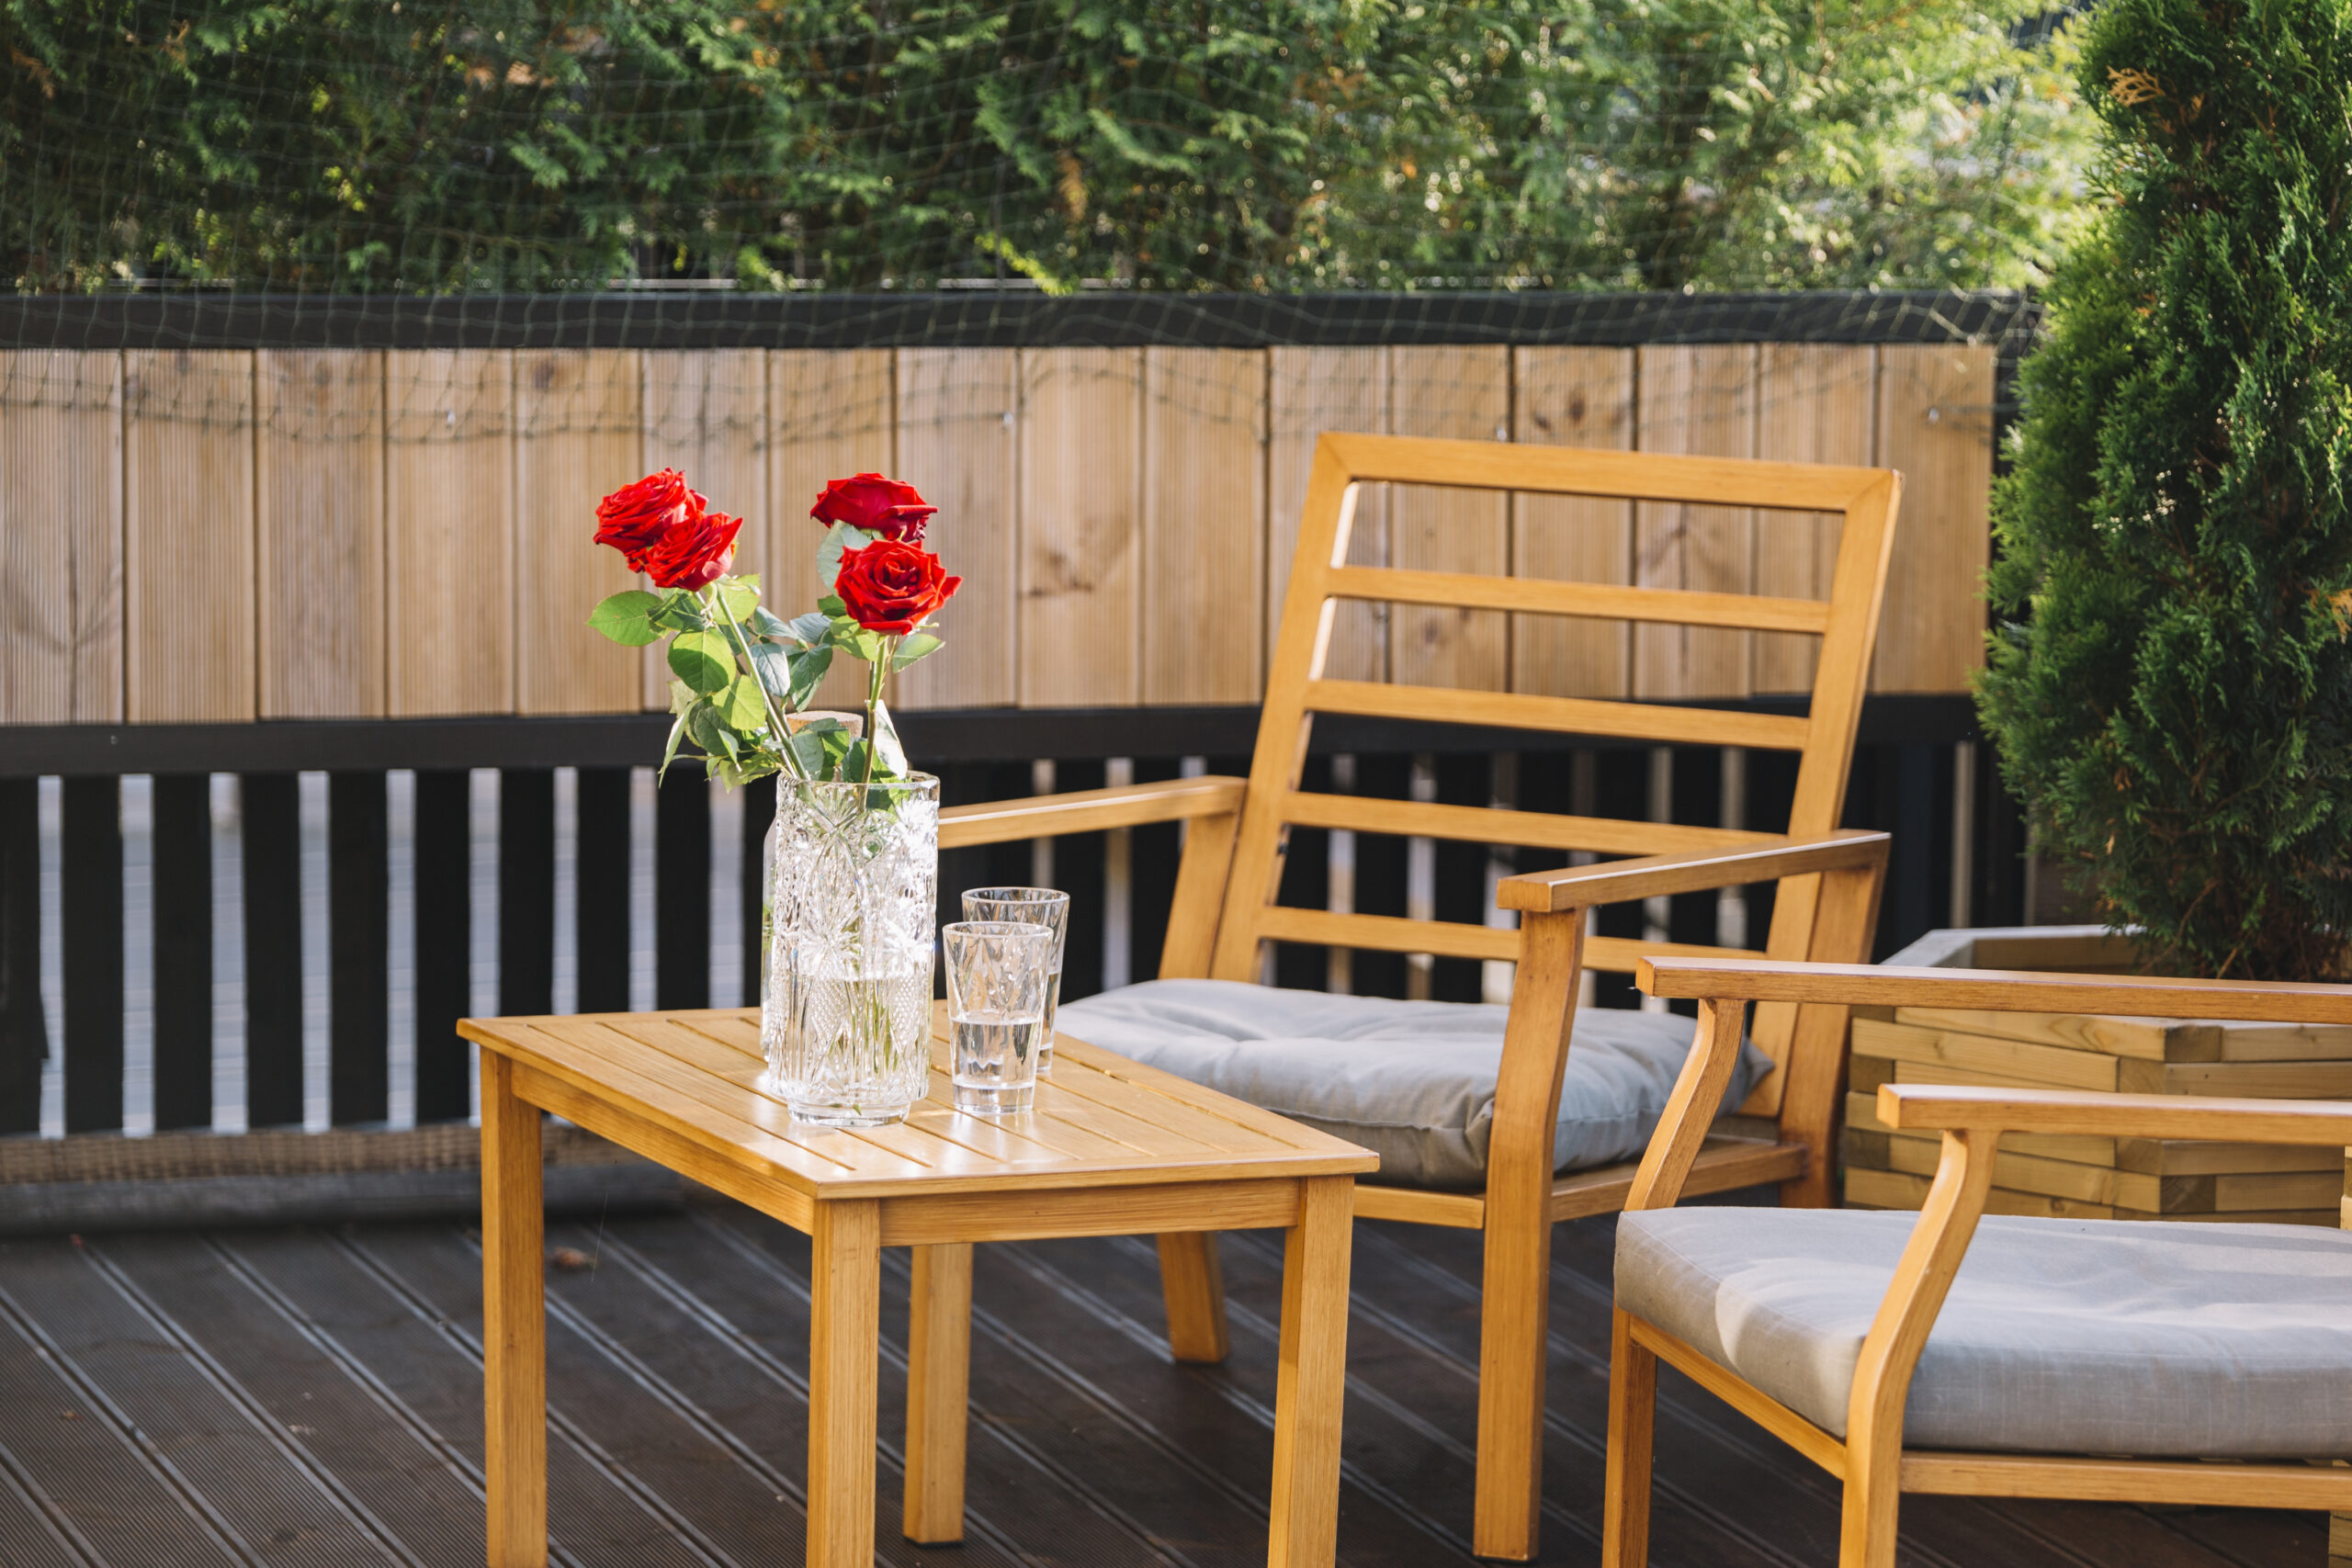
point(889, 587)
point(634, 517)
point(889, 507)
point(695, 553)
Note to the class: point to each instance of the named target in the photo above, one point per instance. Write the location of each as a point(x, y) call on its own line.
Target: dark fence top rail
point(934, 737)
point(996, 317)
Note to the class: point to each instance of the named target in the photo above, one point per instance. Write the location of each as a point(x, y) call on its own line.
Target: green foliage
point(426, 146)
point(2171, 688)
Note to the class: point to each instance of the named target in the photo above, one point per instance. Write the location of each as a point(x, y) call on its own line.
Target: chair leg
point(1193, 1281)
point(1633, 1422)
point(1866, 1535)
point(1511, 1336)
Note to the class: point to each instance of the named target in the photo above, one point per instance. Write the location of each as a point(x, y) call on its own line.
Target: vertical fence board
point(359, 890)
point(449, 532)
point(706, 415)
point(60, 536)
point(527, 890)
point(1572, 397)
point(1936, 425)
point(1815, 404)
point(189, 535)
point(1463, 394)
point(270, 814)
point(957, 409)
point(319, 533)
point(579, 437)
point(1203, 524)
point(90, 852)
point(1080, 534)
point(180, 877)
point(833, 415)
point(1311, 390)
point(1698, 400)
point(23, 1030)
point(443, 912)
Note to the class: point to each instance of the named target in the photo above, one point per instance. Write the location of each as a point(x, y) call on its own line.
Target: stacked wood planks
point(2123, 1178)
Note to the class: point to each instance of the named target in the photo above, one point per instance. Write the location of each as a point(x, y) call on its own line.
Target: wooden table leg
point(845, 1341)
point(939, 1364)
point(1311, 1385)
point(513, 1307)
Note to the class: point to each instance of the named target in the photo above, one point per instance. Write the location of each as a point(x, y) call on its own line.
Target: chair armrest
point(2074, 1112)
point(1621, 881)
point(1088, 810)
point(1993, 990)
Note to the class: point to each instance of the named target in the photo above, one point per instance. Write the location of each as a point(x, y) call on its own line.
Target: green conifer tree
point(2171, 683)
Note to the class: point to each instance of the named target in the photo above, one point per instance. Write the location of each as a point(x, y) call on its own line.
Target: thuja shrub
point(2170, 682)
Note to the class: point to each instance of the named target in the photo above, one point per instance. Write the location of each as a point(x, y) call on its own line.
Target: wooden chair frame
point(1871, 1460)
point(1225, 911)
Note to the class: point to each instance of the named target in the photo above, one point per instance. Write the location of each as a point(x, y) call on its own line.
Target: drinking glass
point(1032, 906)
point(997, 985)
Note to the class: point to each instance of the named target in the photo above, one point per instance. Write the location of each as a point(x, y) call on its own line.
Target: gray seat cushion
point(1414, 1082)
point(2089, 1337)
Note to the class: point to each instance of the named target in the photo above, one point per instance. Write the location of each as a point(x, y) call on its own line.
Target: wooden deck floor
point(307, 1397)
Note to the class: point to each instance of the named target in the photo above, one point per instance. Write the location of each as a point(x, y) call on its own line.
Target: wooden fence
point(225, 535)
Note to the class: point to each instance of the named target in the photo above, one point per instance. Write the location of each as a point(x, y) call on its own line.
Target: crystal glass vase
point(853, 893)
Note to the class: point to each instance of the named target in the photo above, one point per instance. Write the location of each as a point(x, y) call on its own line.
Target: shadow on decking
point(308, 1397)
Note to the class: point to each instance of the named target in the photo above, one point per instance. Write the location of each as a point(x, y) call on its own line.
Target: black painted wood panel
point(23, 1028)
point(90, 866)
point(443, 917)
point(358, 950)
point(181, 880)
point(270, 826)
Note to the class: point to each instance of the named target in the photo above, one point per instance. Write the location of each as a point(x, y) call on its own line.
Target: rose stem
point(751, 667)
point(873, 704)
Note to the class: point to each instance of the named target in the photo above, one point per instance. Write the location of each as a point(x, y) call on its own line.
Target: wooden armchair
point(1983, 1370)
point(1225, 910)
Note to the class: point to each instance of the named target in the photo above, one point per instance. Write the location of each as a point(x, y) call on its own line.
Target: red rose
point(889, 587)
point(695, 553)
point(633, 518)
point(887, 507)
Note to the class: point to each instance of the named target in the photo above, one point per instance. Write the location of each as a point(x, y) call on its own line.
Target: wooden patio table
point(1113, 1148)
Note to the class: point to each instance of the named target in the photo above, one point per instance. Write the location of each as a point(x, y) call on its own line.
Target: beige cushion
point(1414, 1082)
point(2090, 1336)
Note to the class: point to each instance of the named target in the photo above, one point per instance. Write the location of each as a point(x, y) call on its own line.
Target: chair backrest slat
point(1823, 736)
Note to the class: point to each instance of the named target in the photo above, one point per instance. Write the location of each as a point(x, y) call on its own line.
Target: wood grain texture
point(833, 414)
point(1310, 1382)
point(320, 532)
point(1082, 530)
point(189, 535)
point(580, 436)
point(957, 409)
point(1895, 985)
point(1617, 881)
point(1205, 438)
point(1572, 397)
point(60, 538)
point(1815, 403)
point(1460, 394)
point(514, 1358)
point(449, 532)
point(1633, 1423)
point(1699, 401)
point(1935, 424)
point(1192, 1288)
point(1088, 810)
point(844, 1328)
point(939, 1365)
point(1309, 391)
point(706, 415)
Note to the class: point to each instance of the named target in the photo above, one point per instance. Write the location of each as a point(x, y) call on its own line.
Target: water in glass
point(1035, 905)
point(996, 1010)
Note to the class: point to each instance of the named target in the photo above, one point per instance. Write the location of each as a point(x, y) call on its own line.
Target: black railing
point(1916, 773)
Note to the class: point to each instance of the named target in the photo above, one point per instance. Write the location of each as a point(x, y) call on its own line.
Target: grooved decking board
point(1572, 397)
point(1463, 394)
point(60, 536)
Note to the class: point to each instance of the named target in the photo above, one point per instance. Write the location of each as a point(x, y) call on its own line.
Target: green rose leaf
point(738, 597)
point(838, 538)
point(808, 748)
point(741, 706)
point(679, 612)
point(626, 618)
point(890, 756)
point(806, 667)
point(677, 733)
point(766, 623)
point(812, 628)
point(831, 605)
point(915, 646)
point(704, 725)
point(702, 661)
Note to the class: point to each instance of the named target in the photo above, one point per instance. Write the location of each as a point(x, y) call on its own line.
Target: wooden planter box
point(2123, 1178)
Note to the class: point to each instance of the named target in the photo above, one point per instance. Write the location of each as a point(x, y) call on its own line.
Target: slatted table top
point(1100, 1121)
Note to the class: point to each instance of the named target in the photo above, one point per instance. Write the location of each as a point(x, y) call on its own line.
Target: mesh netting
point(430, 147)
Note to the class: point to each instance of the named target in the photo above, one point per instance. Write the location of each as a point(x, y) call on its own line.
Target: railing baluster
point(681, 890)
point(181, 878)
point(443, 912)
point(270, 812)
point(601, 862)
point(24, 1030)
point(359, 890)
point(91, 855)
point(527, 890)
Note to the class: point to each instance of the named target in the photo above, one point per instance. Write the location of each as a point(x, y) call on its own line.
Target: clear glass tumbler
point(997, 985)
point(1030, 906)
